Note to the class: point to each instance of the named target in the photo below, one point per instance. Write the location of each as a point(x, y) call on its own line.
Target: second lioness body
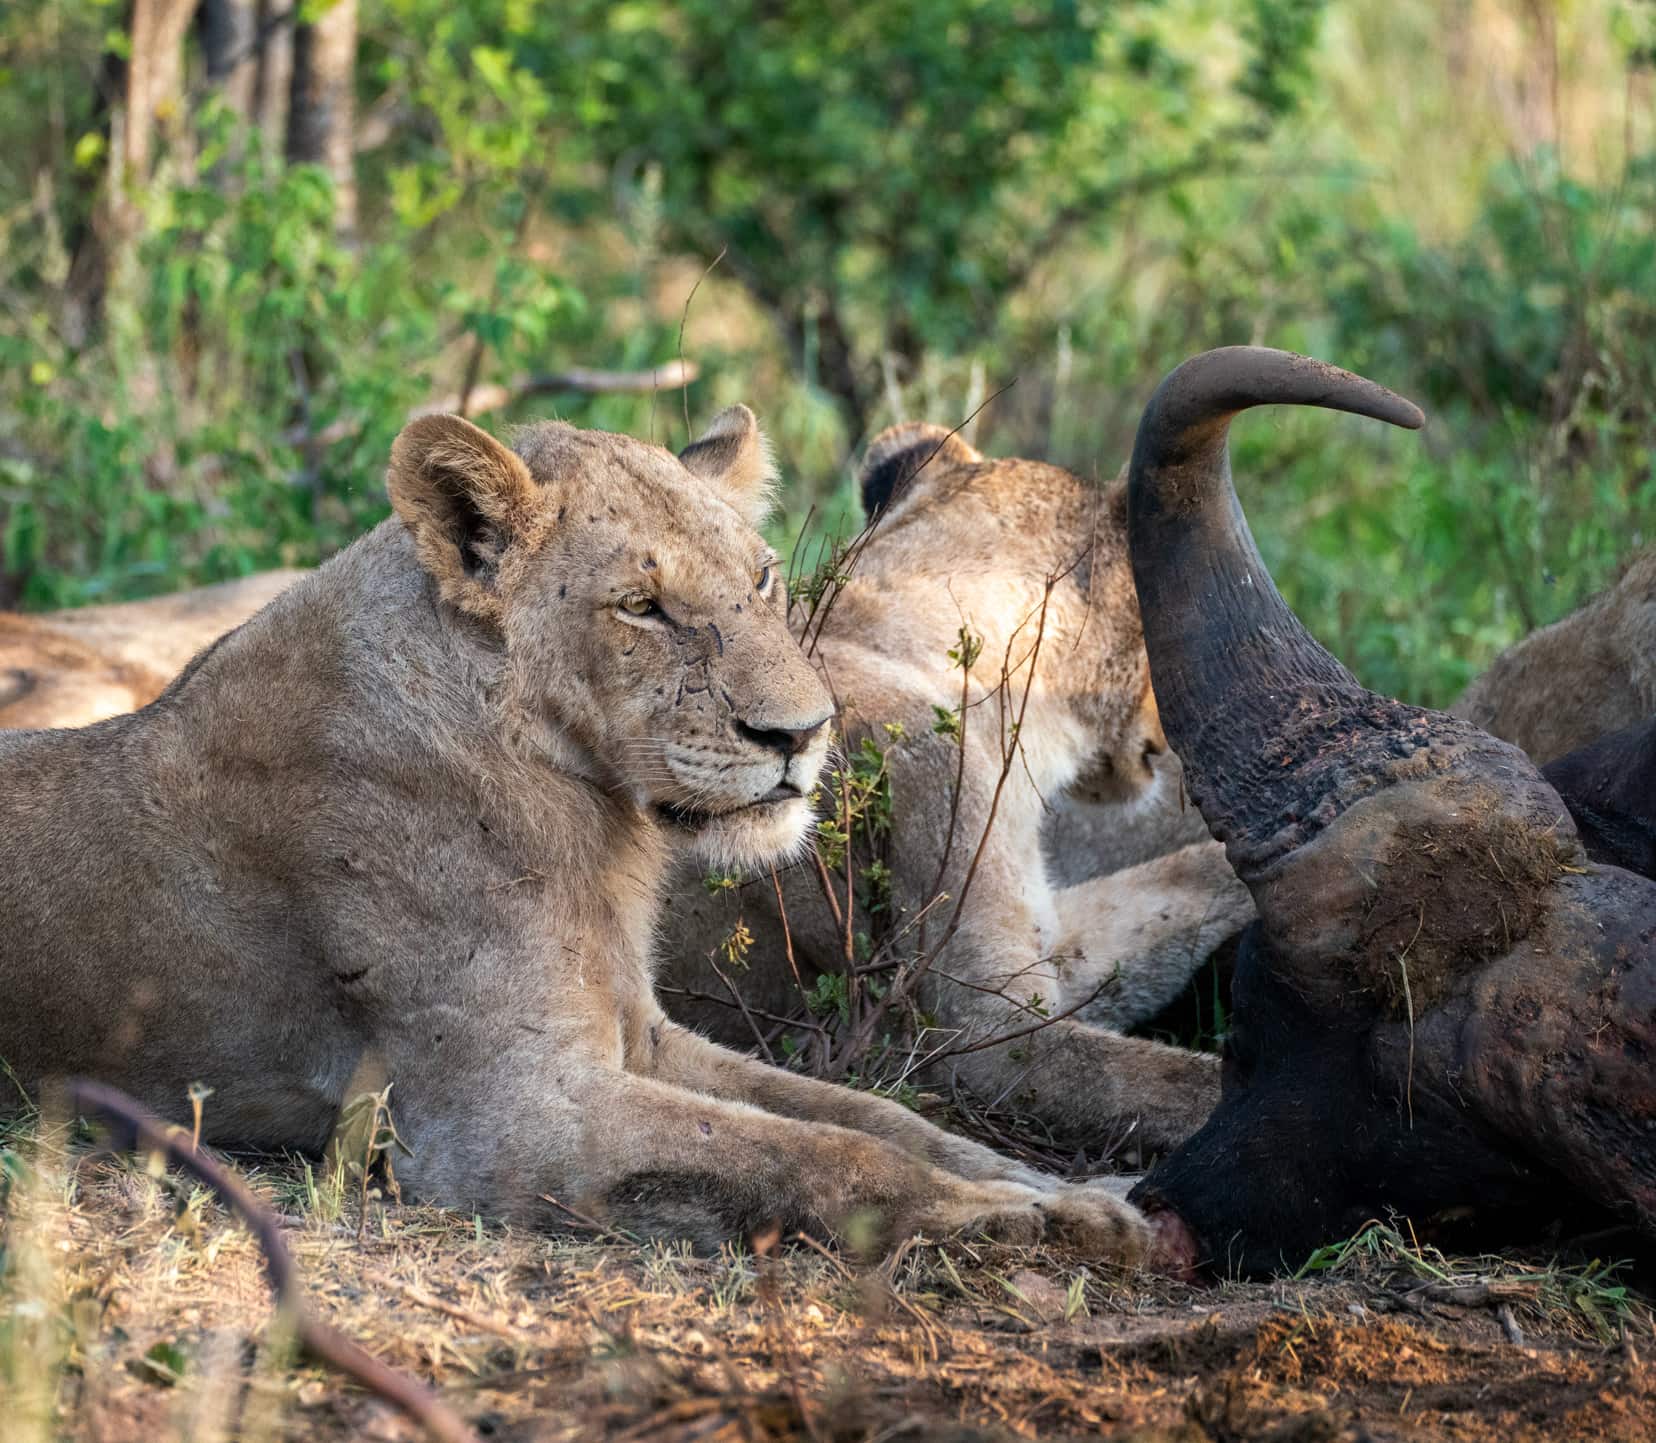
point(1031, 564)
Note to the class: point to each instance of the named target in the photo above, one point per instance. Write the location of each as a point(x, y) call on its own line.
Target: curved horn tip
point(1234, 378)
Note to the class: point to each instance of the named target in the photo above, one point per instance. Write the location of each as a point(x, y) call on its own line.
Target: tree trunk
point(321, 123)
point(836, 368)
point(154, 80)
point(273, 79)
point(229, 42)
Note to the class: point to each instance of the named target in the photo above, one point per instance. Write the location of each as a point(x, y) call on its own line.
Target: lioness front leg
point(1097, 1086)
point(1088, 1084)
point(677, 1055)
point(1133, 939)
point(682, 1164)
point(663, 1161)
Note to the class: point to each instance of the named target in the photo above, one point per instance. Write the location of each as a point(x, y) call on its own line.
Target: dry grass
point(132, 1307)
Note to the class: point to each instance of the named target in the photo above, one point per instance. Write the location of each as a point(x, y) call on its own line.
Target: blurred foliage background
point(241, 239)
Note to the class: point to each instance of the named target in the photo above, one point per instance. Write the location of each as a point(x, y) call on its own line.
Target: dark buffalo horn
point(1200, 578)
point(1278, 740)
point(1216, 628)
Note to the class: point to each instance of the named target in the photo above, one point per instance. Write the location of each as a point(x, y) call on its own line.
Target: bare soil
point(133, 1308)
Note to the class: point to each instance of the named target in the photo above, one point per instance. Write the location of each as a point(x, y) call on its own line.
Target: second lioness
point(419, 810)
point(69, 668)
point(1028, 563)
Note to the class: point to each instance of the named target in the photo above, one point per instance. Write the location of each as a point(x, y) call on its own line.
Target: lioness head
point(941, 507)
point(636, 608)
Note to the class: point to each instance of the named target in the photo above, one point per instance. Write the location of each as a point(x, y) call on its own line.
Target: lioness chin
point(420, 809)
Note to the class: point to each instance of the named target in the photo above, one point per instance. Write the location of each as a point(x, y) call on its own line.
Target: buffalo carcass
point(1443, 1003)
point(1610, 788)
point(1579, 679)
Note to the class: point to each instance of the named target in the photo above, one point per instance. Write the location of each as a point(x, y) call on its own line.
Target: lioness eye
point(761, 578)
point(636, 603)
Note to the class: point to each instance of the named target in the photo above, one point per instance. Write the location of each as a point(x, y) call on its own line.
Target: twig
point(474, 362)
point(776, 1323)
point(828, 888)
point(999, 1038)
point(578, 380)
point(1007, 758)
point(741, 1002)
point(787, 932)
point(591, 1224)
point(824, 604)
point(417, 1294)
point(960, 772)
point(684, 320)
point(695, 994)
point(1408, 1002)
point(927, 1327)
point(134, 1129)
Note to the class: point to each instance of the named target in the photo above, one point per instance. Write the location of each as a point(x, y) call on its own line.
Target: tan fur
point(1572, 682)
point(1083, 840)
point(416, 815)
point(69, 668)
point(964, 541)
point(1083, 835)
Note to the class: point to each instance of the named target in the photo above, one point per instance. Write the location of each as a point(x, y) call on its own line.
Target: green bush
point(920, 209)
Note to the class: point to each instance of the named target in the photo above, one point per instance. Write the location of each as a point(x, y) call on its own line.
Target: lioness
point(1030, 564)
point(421, 807)
point(68, 668)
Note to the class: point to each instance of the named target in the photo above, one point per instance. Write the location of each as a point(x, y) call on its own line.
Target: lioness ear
point(464, 498)
point(734, 457)
point(897, 455)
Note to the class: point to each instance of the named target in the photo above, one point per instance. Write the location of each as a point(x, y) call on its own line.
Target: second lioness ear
point(734, 457)
point(464, 498)
point(899, 453)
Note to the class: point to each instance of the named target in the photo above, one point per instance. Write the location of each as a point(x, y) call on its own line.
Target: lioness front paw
point(1093, 1220)
point(1086, 1220)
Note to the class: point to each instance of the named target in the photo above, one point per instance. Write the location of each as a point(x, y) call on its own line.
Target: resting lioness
point(1026, 977)
point(421, 806)
point(68, 668)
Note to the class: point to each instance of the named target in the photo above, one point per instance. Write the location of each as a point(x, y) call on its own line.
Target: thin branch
point(741, 1002)
point(695, 994)
point(684, 320)
point(824, 604)
point(577, 380)
point(134, 1129)
point(787, 931)
point(1045, 1022)
point(1006, 765)
point(480, 347)
point(591, 1224)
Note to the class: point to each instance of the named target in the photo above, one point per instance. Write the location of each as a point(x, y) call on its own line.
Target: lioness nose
point(790, 741)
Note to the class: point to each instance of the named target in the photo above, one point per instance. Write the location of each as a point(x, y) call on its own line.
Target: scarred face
point(643, 613)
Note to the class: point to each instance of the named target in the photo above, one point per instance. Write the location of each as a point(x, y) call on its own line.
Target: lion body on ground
point(416, 816)
point(1007, 551)
point(1581, 678)
point(72, 668)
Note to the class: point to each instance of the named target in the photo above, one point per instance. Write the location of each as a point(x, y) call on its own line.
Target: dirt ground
point(133, 1307)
